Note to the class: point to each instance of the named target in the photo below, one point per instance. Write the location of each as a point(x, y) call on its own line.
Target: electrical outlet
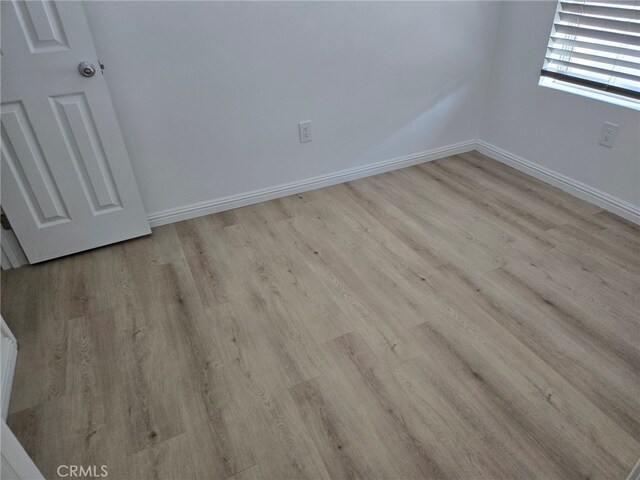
point(304, 128)
point(608, 134)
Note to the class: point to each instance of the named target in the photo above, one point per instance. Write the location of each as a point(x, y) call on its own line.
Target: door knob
point(87, 69)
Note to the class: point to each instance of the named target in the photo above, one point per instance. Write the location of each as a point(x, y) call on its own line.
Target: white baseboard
point(243, 199)
point(569, 185)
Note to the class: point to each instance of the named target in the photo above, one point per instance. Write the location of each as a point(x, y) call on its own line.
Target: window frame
point(591, 89)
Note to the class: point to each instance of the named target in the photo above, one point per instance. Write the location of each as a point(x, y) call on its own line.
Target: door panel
point(67, 181)
point(41, 26)
point(85, 149)
point(23, 155)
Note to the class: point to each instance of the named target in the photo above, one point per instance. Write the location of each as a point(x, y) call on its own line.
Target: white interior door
point(67, 181)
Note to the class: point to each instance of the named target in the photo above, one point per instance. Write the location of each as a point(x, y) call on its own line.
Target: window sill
point(590, 93)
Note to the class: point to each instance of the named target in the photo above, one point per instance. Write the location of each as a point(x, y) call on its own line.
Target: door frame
point(15, 462)
point(9, 355)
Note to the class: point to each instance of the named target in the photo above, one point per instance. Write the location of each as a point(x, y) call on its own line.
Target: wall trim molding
point(568, 184)
point(270, 193)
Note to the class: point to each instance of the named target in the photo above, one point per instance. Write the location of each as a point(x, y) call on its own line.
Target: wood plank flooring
point(456, 319)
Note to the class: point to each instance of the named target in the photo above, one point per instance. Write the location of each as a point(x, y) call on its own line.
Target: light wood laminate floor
point(456, 319)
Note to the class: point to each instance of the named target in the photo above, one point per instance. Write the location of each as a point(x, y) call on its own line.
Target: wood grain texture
point(456, 319)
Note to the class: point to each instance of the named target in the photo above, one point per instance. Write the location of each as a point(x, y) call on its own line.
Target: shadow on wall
point(438, 113)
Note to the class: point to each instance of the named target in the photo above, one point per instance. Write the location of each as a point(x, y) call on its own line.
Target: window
point(594, 50)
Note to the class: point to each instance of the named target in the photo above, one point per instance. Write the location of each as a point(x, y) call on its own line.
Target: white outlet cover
point(608, 134)
point(304, 129)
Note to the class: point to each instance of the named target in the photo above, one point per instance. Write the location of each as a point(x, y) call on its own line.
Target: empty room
point(282, 240)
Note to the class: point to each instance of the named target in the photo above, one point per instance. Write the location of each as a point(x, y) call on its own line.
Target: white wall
point(555, 129)
point(209, 95)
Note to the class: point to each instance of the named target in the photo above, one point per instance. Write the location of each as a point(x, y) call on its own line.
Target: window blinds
point(596, 45)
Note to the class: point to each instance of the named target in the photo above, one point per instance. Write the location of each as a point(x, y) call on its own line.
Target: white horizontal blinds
point(597, 45)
